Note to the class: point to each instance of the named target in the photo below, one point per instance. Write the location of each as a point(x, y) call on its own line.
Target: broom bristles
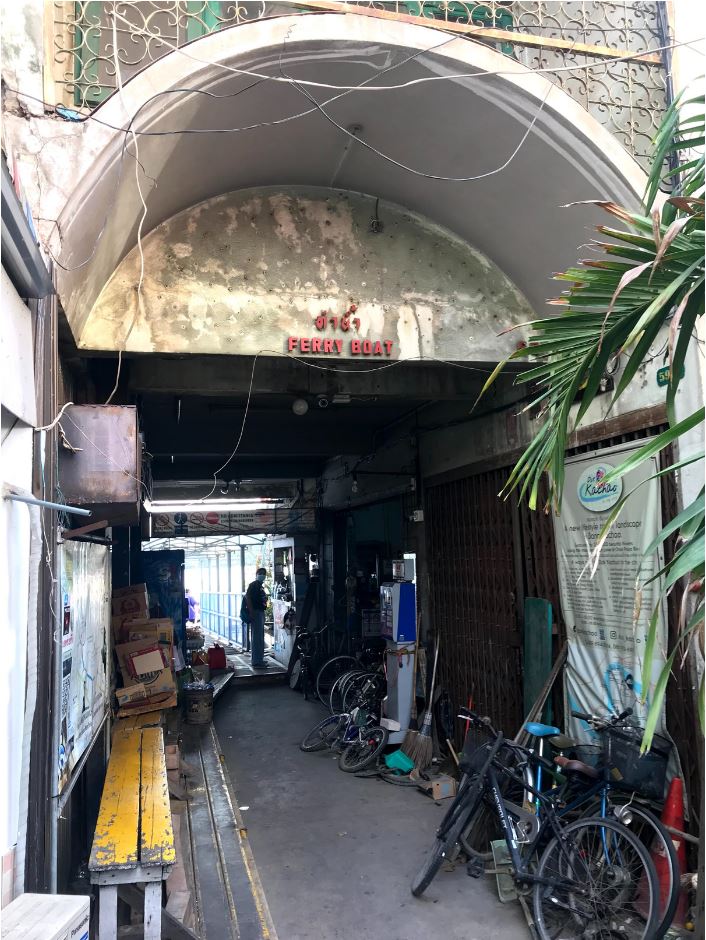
point(422, 749)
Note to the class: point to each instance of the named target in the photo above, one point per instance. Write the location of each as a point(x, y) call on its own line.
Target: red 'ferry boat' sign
point(328, 346)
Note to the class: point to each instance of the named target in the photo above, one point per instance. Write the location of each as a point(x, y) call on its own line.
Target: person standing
point(256, 601)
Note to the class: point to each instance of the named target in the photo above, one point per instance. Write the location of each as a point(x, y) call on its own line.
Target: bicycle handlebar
point(477, 720)
point(605, 722)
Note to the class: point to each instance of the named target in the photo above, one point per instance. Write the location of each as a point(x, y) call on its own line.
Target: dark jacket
point(256, 597)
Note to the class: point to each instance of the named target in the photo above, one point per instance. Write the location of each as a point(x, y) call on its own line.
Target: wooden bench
point(134, 841)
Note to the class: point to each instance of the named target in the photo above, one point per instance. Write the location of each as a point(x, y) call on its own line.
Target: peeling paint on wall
point(243, 272)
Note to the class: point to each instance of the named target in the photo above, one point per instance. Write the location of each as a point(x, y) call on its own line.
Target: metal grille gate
point(474, 595)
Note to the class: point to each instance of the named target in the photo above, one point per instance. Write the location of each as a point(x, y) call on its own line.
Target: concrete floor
point(335, 853)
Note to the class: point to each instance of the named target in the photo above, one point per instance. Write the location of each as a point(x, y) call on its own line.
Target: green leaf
point(650, 644)
point(654, 713)
point(655, 444)
point(694, 509)
point(690, 557)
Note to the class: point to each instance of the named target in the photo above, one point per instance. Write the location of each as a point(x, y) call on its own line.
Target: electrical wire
point(130, 132)
point(139, 302)
point(431, 176)
point(240, 437)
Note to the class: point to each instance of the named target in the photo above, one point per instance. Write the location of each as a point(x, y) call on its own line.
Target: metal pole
point(56, 714)
point(19, 496)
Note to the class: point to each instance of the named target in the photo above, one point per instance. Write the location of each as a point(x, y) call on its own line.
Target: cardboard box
point(442, 787)
point(130, 589)
point(47, 917)
point(131, 693)
point(131, 602)
point(152, 704)
point(146, 655)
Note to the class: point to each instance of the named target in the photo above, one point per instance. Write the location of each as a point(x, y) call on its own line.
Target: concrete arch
point(247, 271)
point(456, 127)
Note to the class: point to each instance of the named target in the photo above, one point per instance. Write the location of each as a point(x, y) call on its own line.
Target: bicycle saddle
point(540, 730)
point(562, 742)
point(577, 766)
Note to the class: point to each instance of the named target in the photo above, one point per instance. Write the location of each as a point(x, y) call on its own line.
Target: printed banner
point(85, 619)
point(260, 522)
point(606, 621)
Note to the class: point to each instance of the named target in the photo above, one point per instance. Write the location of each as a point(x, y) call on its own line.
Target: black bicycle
point(588, 878)
point(304, 661)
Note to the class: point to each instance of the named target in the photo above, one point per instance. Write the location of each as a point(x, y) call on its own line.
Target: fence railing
point(220, 615)
point(627, 96)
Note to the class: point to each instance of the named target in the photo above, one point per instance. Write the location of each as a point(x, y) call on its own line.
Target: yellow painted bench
point(134, 840)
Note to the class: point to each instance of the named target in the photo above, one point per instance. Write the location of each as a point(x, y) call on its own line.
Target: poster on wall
point(84, 618)
point(606, 621)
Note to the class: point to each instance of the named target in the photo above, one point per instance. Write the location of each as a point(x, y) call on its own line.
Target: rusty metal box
point(104, 472)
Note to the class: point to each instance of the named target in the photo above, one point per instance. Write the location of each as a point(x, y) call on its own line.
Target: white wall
point(17, 395)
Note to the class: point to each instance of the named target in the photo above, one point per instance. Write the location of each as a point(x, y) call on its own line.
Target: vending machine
point(398, 625)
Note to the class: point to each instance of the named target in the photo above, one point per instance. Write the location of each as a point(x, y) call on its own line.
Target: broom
point(413, 728)
point(423, 748)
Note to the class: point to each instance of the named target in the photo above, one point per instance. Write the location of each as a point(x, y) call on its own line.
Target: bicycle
point(304, 651)
point(588, 878)
point(336, 667)
point(355, 734)
point(615, 788)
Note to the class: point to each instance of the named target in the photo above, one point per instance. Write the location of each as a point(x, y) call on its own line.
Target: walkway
point(335, 853)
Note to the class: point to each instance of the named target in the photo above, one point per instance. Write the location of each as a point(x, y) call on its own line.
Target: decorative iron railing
point(628, 97)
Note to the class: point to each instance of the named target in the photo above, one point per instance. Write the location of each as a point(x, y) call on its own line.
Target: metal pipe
point(20, 497)
point(56, 722)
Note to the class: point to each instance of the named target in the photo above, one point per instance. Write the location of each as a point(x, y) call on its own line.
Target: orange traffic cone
point(673, 816)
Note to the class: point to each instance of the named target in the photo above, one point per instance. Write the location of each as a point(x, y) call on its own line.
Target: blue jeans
point(258, 637)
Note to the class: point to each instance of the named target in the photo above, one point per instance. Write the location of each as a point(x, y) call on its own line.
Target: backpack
point(244, 610)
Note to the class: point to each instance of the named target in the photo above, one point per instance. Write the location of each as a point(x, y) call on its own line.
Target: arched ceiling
point(460, 127)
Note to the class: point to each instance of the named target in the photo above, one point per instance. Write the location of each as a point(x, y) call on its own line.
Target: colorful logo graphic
point(594, 493)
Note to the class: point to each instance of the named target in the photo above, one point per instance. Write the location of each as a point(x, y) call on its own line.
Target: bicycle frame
point(490, 783)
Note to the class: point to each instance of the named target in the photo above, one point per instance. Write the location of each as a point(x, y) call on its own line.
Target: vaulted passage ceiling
point(457, 128)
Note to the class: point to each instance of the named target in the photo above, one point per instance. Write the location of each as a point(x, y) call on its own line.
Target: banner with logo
point(606, 620)
point(260, 522)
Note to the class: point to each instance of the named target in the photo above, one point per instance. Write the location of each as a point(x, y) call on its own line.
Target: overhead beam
point(231, 376)
point(485, 33)
point(241, 468)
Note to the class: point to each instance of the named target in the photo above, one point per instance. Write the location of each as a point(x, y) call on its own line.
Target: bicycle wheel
point(323, 734)
point(295, 676)
point(330, 671)
point(458, 817)
point(360, 754)
point(600, 883)
point(651, 832)
point(366, 687)
point(335, 699)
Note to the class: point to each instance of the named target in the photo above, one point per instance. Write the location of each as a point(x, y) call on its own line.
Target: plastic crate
point(644, 773)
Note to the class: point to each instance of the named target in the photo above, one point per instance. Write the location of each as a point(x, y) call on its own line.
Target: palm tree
point(646, 276)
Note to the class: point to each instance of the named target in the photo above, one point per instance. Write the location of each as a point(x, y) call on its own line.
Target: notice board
point(85, 621)
point(606, 620)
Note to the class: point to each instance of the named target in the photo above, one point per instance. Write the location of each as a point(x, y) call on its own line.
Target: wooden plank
point(537, 650)
point(483, 32)
point(149, 720)
point(152, 917)
point(135, 897)
point(108, 912)
point(115, 843)
point(156, 832)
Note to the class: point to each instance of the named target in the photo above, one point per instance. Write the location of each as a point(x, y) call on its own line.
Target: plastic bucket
point(199, 706)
